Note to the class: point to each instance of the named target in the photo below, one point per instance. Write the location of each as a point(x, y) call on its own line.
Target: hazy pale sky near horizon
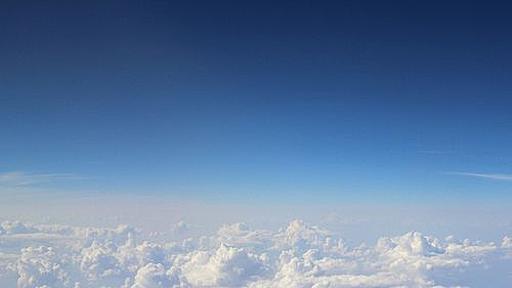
point(272, 100)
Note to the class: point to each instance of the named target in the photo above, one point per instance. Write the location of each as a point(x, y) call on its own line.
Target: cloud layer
point(298, 255)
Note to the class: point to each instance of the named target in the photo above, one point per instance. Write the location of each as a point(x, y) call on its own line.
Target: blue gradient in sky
point(301, 100)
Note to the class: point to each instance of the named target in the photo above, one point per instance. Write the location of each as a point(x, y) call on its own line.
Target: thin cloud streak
point(501, 177)
point(434, 152)
point(20, 178)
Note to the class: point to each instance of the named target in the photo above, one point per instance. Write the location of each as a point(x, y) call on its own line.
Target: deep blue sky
point(299, 100)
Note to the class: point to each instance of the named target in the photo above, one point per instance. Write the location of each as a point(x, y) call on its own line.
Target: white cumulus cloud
point(296, 256)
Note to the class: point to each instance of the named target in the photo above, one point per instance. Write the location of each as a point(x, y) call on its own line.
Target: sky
point(289, 144)
point(296, 101)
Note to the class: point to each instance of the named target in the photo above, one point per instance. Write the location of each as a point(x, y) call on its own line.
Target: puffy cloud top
point(296, 256)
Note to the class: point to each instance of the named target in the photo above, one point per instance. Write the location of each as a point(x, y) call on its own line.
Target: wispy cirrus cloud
point(491, 176)
point(435, 152)
point(20, 178)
